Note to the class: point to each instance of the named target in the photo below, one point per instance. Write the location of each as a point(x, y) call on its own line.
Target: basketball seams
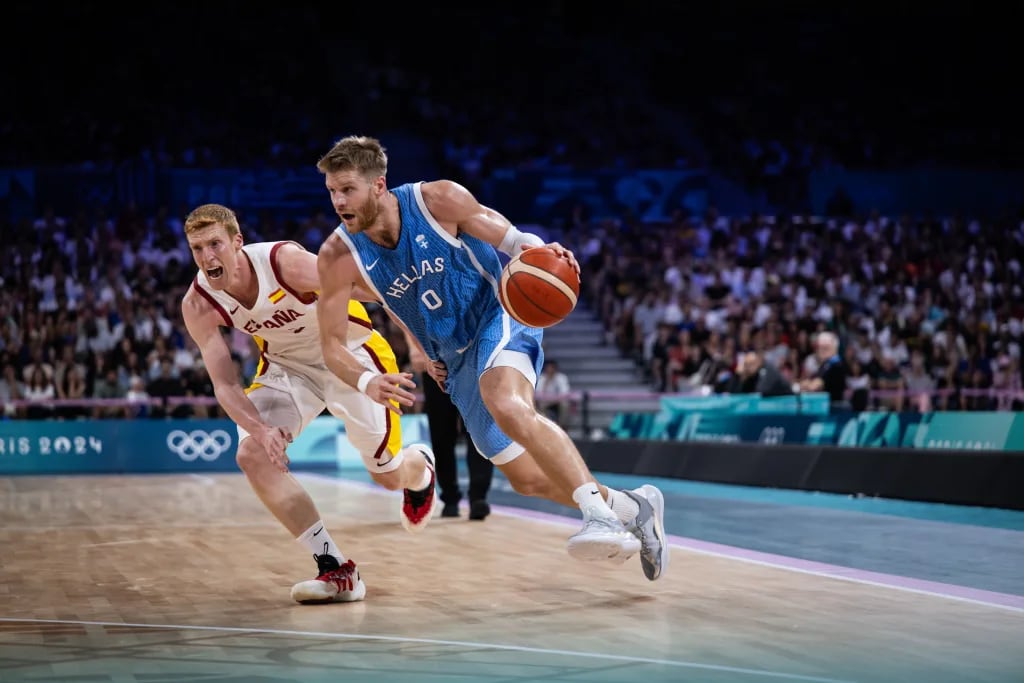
point(552, 280)
point(543, 286)
point(534, 306)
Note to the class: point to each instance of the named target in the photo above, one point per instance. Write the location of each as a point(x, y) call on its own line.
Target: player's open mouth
point(214, 273)
point(347, 217)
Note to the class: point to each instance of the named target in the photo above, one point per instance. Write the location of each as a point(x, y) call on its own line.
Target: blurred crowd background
point(922, 306)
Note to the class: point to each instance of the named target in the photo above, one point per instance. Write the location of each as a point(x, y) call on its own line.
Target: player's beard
point(368, 216)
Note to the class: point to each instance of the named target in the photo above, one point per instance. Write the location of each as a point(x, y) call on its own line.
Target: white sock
point(319, 542)
point(623, 506)
point(588, 496)
point(424, 480)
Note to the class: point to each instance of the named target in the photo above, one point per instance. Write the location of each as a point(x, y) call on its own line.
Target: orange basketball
point(538, 287)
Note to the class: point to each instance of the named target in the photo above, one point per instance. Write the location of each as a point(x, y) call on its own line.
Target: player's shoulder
point(274, 247)
point(285, 250)
point(445, 196)
point(193, 303)
point(332, 248)
point(441, 189)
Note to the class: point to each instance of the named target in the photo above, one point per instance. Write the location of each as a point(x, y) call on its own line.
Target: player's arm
point(338, 274)
point(457, 210)
point(203, 323)
point(297, 268)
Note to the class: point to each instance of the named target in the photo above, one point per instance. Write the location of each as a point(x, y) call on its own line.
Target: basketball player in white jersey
point(270, 290)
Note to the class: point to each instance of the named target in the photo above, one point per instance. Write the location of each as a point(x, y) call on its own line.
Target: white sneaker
point(649, 528)
point(602, 538)
point(336, 583)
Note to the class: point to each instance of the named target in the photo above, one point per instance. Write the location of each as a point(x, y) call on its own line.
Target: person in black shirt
point(831, 374)
point(756, 376)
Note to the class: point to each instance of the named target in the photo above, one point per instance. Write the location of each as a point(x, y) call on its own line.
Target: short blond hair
point(208, 214)
point(359, 153)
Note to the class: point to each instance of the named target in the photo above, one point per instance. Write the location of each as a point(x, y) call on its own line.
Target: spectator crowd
point(891, 312)
point(894, 313)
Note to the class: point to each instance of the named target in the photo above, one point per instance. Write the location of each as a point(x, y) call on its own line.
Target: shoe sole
point(657, 501)
point(416, 528)
point(355, 595)
point(601, 548)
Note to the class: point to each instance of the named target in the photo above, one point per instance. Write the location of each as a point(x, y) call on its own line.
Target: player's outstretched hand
point(393, 386)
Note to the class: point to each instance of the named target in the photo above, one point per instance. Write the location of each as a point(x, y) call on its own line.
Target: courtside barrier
point(114, 446)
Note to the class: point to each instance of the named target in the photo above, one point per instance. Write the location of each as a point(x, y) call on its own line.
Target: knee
point(512, 414)
point(250, 455)
point(533, 485)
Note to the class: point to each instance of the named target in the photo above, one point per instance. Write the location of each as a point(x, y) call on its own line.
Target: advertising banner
point(99, 446)
point(138, 446)
point(961, 431)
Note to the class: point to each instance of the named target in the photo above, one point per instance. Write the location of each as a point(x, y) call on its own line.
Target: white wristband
point(364, 379)
point(512, 243)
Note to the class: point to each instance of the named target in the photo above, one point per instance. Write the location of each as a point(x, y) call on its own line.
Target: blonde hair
point(208, 214)
point(359, 153)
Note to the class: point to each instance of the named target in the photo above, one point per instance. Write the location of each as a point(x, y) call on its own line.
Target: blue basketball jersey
point(445, 290)
point(442, 287)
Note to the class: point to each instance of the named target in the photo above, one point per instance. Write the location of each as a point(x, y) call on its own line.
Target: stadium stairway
point(578, 345)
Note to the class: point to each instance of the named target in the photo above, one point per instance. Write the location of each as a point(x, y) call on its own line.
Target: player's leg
point(376, 432)
point(554, 467)
point(286, 402)
point(551, 468)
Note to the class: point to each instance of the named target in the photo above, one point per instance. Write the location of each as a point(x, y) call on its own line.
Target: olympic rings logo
point(198, 444)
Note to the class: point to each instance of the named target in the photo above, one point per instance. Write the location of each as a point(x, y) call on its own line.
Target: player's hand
point(564, 253)
point(393, 386)
point(274, 441)
point(438, 370)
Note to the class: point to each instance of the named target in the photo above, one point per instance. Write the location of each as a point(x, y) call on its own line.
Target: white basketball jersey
point(282, 321)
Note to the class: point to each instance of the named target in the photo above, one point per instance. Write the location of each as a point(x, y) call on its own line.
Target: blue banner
point(981, 431)
point(748, 404)
point(125, 446)
point(110, 446)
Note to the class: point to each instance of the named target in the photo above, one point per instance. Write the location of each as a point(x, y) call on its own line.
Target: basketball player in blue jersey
point(269, 291)
point(427, 251)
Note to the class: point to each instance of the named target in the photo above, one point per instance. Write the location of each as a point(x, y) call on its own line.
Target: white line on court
point(449, 643)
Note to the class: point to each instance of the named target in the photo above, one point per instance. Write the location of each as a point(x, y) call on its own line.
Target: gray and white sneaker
point(602, 538)
point(649, 527)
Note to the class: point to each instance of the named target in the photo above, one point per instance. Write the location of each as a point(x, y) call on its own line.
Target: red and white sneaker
point(336, 583)
point(418, 506)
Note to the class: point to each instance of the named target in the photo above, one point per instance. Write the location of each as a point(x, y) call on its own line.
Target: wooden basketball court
point(187, 578)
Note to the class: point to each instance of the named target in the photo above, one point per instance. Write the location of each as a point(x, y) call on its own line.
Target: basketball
point(538, 287)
